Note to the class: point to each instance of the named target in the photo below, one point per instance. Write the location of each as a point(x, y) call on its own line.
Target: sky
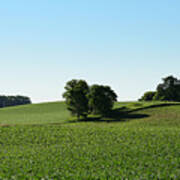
point(129, 45)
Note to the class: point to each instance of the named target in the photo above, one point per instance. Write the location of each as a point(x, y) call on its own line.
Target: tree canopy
point(101, 99)
point(76, 97)
point(13, 100)
point(169, 90)
point(148, 96)
point(82, 99)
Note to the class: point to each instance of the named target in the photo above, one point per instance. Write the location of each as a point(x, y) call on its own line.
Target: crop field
point(42, 141)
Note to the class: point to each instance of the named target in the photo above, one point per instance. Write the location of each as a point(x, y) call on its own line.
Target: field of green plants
point(42, 141)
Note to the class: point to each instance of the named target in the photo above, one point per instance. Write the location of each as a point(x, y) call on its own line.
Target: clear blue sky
point(127, 44)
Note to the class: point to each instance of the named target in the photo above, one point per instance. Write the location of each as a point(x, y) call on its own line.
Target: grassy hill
point(34, 114)
point(140, 141)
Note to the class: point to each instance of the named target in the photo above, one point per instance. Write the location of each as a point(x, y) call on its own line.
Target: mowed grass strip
point(132, 148)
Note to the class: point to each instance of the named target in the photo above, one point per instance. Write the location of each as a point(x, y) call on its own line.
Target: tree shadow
point(123, 114)
point(155, 106)
point(116, 115)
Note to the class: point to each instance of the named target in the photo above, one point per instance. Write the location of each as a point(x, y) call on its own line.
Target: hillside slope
point(56, 112)
point(34, 114)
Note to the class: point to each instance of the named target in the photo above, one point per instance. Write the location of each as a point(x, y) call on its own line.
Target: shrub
point(148, 96)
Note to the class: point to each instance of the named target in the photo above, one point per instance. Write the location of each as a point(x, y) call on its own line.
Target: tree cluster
point(6, 101)
point(169, 90)
point(82, 99)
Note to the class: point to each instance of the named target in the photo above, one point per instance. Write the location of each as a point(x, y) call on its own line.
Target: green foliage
point(148, 96)
point(169, 90)
point(101, 99)
point(76, 97)
point(82, 100)
point(6, 101)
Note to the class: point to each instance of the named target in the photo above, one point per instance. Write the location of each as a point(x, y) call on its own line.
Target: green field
point(42, 141)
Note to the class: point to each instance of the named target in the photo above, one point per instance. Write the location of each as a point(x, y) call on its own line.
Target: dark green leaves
point(13, 100)
point(76, 97)
point(82, 100)
point(101, 99)
point(169, 90)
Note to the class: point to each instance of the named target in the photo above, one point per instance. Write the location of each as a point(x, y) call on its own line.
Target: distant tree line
point(6, 101)
point(169, 90)
point(82, 99)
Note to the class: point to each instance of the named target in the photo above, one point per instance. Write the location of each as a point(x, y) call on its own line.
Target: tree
point(76, 97)
point(148, 96)
point(169, 90)
point(101, 99)
point(6, 101)
point(3, 101)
